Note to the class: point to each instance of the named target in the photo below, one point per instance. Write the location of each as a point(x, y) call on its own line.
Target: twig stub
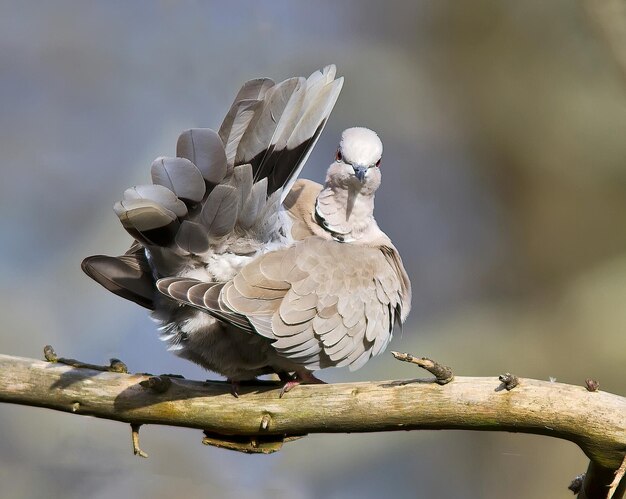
point(250, 444)
point(592, 385)
point(619, 476)
point(265, 422)
point(509, 381)
point(158, 384)
point(49, 353)
point(443, 374)
point(577, 483)
point(134, 429)
point(115, 365)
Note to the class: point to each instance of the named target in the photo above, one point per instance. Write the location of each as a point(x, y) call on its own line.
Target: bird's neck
point(347, 213)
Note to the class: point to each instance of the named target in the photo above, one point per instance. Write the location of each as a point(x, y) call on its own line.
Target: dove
point(250, 270)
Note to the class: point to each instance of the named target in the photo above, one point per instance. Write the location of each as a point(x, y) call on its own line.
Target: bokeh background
point(504, 189)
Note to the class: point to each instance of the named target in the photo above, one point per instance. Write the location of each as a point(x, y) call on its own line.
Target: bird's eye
point(378, 163)
point(339, 156)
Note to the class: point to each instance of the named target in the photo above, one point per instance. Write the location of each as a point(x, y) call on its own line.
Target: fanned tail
point(220, 184)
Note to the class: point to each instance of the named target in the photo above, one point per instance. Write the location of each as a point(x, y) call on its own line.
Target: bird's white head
point(357, 161)
point(360, 146)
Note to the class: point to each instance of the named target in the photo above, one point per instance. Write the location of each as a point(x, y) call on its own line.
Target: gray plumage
point(249, 270)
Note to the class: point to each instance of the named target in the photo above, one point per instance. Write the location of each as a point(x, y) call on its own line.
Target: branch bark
point(595, 421)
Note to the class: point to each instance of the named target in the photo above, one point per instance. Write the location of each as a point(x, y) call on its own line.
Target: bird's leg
point(234, 387)
point(299, 378)
point(285, 377)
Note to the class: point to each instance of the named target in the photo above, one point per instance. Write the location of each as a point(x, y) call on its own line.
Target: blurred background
point(504, 189)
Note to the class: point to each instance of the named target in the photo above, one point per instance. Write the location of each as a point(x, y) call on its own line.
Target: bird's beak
point(359, 172)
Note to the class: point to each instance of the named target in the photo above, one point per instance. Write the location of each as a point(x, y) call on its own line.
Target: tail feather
point(242, 181)
point(152, 193)
point(181, 177)
point(231, 132)
point(253, 90)
point(147, 221)
point(192, 238)
point(219, 213)
point(298, 130)
point(253, 205)
point(204, 148)
point(127, 276)
point(262, 130)
point(309, 129)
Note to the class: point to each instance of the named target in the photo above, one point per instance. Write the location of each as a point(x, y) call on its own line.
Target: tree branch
point(595, 421)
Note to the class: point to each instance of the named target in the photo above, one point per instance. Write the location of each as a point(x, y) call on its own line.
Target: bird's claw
point(305, 378)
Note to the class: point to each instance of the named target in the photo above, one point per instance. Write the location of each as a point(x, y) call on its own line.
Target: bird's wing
point(323, 303)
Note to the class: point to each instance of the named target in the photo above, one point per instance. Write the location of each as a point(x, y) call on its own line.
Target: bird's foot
point(299, 378)
point(237, 384)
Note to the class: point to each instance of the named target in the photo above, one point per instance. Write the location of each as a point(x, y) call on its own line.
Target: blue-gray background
point(504, 189)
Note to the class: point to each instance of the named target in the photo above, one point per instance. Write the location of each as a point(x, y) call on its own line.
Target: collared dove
point(248, 270)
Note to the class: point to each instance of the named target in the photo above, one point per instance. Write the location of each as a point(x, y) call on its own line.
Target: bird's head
point(357, 164)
